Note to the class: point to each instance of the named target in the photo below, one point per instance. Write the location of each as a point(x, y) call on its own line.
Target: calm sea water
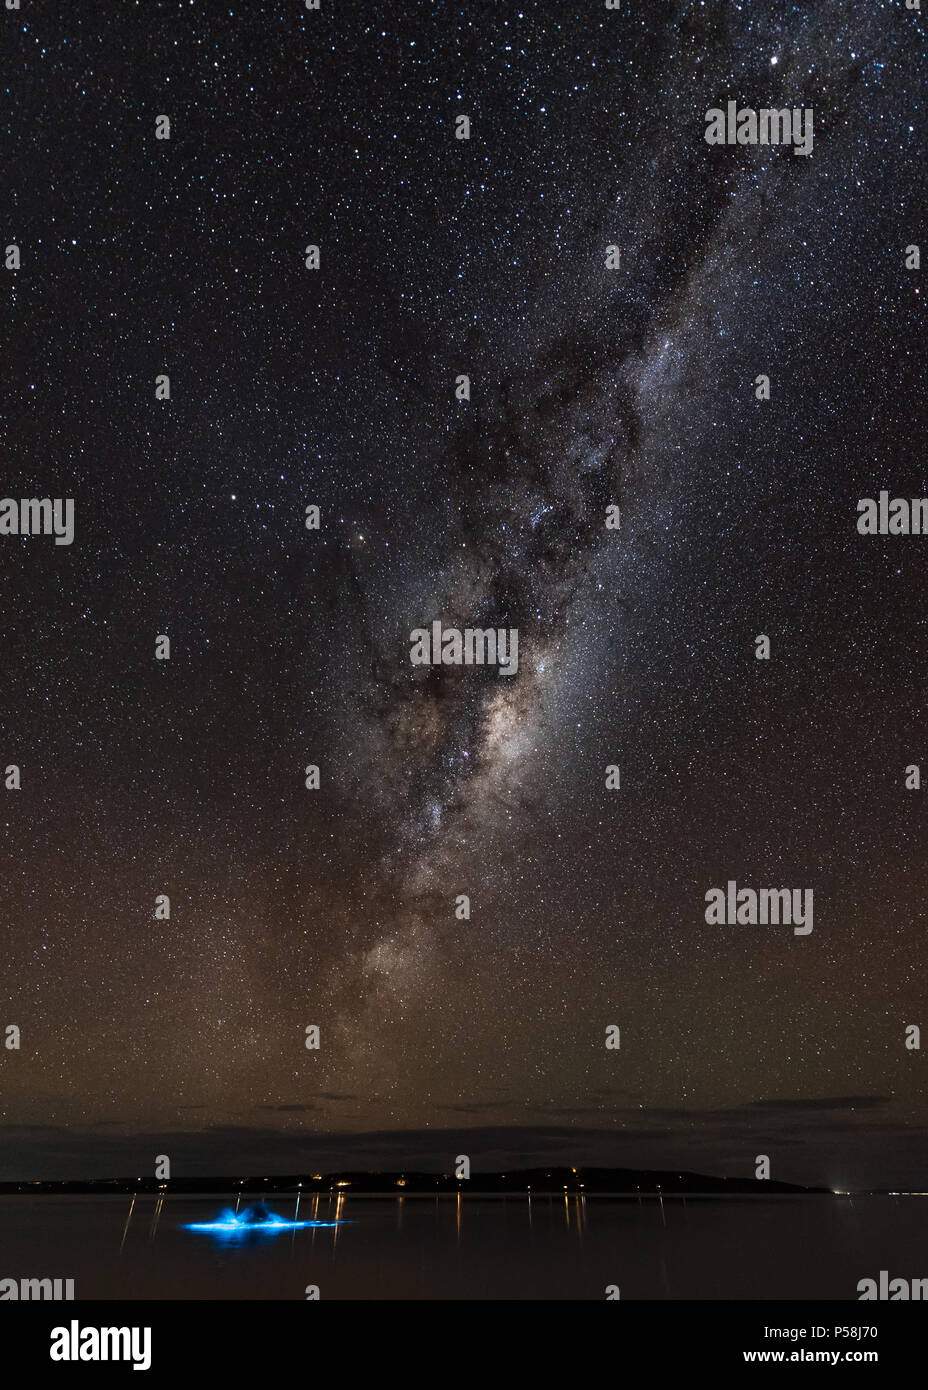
point(473, 1248)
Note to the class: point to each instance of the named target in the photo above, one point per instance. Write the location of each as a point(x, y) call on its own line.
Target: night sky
point(590, 387)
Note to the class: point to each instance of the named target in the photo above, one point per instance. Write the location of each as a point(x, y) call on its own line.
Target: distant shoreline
point(604, 1182)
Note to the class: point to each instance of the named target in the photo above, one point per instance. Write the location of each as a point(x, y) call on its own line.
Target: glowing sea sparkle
point(233, 1224)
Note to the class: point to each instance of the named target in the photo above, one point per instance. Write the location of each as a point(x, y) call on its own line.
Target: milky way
point(590, 387)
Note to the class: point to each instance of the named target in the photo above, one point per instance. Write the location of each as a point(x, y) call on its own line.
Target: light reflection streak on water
point(155, 1218)
point(339, 1203)
point(125, 1229)
point(296, 1217)
point(315, 1220)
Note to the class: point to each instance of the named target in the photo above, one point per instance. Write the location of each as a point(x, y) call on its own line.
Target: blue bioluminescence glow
point(234, 1224)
